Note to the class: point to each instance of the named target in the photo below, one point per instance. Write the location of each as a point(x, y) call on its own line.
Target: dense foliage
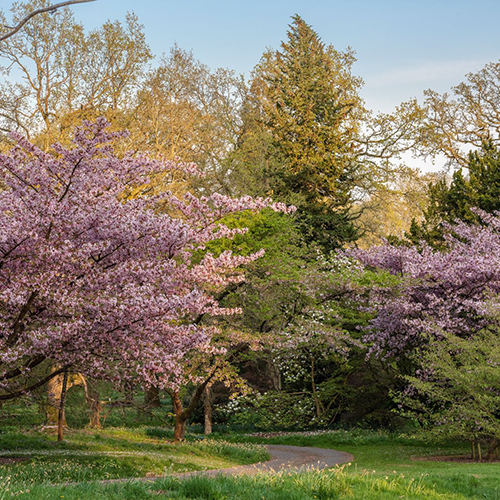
point(477, 187)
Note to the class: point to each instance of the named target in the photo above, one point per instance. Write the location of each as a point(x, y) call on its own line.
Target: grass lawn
point(391, 464)
point(384, 468)
point(30, 458)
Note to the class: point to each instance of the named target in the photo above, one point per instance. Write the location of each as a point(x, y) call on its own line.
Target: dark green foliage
point(300, 119)
point(478, 188)
point(314, 373)
point(326, 224)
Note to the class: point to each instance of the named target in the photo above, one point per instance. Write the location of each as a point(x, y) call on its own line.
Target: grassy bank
point(386, 466)
point(32, 458)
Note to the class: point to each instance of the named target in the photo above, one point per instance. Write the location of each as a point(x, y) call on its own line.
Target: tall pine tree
point(301, 119)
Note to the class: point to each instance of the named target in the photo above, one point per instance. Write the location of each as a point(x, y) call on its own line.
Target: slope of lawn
point(385, 468)
point(31, 457)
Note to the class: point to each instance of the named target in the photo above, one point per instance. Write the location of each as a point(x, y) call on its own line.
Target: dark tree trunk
point(493, 449)
point(273, 374)
point(55, 391)
point(179, 429)
point(180, 417)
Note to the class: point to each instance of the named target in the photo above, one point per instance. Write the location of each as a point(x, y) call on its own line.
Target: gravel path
point(284, 458)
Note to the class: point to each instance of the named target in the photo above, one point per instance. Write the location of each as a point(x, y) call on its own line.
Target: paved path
point(284, 458)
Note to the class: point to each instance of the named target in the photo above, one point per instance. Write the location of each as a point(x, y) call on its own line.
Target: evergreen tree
point(479, 188)
point(304, 106)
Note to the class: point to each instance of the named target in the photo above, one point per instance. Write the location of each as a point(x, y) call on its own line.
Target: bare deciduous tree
point(61, 75)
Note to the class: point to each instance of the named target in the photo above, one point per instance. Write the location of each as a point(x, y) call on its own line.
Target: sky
point(402, 46)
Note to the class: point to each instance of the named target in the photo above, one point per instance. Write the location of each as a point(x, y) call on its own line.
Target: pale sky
point(402, 46)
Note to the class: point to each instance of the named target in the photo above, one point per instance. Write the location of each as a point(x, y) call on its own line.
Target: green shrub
point(273, 410)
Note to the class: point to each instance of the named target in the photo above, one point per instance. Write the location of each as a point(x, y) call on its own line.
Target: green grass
point(342, 483)
point(385, 468)
point(383, 459)
point(32, 458)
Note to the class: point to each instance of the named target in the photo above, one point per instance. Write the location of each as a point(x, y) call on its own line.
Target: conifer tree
point(305, 100)
point(479, 187)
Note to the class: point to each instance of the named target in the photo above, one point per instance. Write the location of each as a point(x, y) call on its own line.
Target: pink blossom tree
point(434, 291)
point(441, 313)
point(101, 275)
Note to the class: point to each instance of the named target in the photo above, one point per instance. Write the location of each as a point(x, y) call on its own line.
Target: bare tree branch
point(40, 383)
point(50, 8)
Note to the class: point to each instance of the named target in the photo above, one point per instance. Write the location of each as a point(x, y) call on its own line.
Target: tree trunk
point(207, 406)
point(60, 414)
point(152, 397)
point(180, 417)
point(54, 399)
point(492, 449)
point(273, 374)
point(54, 391)
point(93, 403)
point(179, 429)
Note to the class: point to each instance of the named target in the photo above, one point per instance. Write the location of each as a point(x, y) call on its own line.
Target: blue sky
point(402, 47)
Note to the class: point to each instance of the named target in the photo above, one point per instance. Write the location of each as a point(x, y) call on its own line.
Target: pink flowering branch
point(103, 281)
point(453, 291)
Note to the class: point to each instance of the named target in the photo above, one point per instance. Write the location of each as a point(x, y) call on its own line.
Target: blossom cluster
point(94, 275)
point(454, 291)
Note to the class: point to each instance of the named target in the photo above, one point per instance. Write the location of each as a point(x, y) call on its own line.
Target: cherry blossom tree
point(438, 320)
point(434, 291)
point(103, 272)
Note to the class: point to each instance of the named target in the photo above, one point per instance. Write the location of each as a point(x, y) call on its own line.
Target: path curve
point(283, 458)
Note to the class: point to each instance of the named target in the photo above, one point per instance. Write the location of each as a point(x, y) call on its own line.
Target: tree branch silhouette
point(50, 8)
